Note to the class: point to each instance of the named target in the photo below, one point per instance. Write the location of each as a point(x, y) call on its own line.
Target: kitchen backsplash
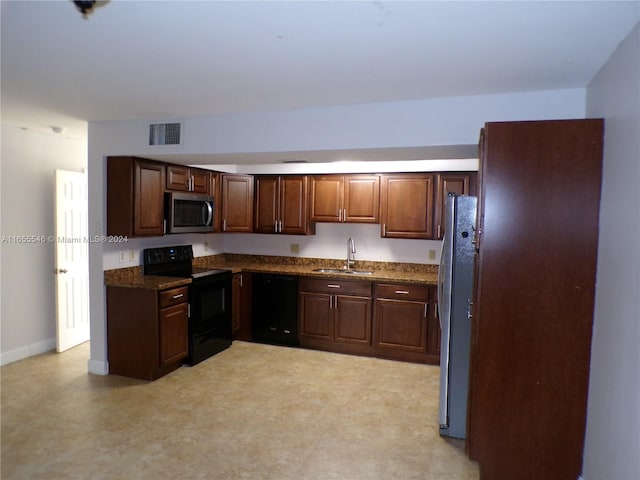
point(330, 241)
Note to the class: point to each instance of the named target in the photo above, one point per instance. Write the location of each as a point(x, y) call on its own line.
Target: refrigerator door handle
point(445, 275)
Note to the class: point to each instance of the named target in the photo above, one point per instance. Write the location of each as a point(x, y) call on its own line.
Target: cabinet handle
point(180, 295)
point(344, 214)
point(275, 227)
point(240, 280)
point(426, 309)
point(280, 226)
point(384, 229)
point(224, 225)
point(333, 285)
point(402, 292)
point(438, 234)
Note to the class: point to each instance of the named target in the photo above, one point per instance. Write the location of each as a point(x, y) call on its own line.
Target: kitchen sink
point(342, 270)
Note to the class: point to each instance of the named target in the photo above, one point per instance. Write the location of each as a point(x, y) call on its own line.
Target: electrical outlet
point(123, 257)
point(432, 254)
point(206, 246)
point(132, 256)
point(295, 248)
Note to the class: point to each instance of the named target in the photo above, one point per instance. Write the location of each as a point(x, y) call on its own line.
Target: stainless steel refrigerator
point(455, 291)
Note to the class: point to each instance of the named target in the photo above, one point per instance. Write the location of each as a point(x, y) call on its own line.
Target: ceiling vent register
point(165, 134)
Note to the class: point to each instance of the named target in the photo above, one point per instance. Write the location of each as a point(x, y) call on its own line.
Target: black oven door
point(210, 329)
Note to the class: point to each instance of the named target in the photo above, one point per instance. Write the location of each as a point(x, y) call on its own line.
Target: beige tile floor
point(251, 412)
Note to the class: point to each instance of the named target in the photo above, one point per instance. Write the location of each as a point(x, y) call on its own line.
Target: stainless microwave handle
point(209, 209)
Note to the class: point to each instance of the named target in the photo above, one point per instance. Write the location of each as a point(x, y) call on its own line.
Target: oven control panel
point(162, 255)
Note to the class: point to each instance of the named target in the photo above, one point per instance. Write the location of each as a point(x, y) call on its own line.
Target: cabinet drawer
point(402, 291)
point(174, 296)
point(335, 286)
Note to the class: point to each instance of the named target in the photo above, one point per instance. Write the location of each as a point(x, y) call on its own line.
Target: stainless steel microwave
point(188, 212)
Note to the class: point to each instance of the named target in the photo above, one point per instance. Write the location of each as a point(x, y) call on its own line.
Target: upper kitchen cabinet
point(345, 198)
point(463, 183)
point(135, 197)
point(237, 203)
point(406, 205)
point(187, 179)
point(281, 205)
point(215, 190)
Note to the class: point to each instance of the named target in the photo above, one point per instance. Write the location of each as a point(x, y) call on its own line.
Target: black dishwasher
point(275, 309)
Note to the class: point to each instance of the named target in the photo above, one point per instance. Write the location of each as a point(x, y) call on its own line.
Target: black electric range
point(210, 329)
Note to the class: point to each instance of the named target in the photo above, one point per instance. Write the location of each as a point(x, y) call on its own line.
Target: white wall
point(429, 122)
point(27, 290)
point(612, 447)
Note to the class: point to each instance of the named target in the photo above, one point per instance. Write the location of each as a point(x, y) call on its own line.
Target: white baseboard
point(98, 367)
point(27, 351)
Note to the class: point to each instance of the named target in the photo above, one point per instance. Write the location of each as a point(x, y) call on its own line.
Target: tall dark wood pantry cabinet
point(537, 242)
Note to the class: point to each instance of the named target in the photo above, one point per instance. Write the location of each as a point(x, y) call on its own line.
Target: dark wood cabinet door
point(326, 198)
point(237, 203)
point(266, 204)
point(345, 198)
point(352, 320)
point(402, 325)
point(147, 331)
point(536, 278)
point(186, 179)
point(200, 181)
point(215, 190)
point(173, 329)
point(361, 199)
point(281, 205)
point(433, 329)
point(178, 178)
point(316, 315)
point(148, 198)
point(460, 183)
point(293, 211)
point(406, 202)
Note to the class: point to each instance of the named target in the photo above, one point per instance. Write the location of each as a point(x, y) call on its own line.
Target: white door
point(72, 264)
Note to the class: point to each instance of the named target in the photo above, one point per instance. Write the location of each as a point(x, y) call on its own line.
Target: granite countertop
point(132, 277)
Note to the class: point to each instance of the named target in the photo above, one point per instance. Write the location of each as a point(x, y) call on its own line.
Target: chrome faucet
point(351, 253)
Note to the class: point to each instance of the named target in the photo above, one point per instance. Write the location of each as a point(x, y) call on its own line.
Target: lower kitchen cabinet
point(389, 320)
point(174, 344)
point(406, 326)
point(335, 315)
point(147, 331)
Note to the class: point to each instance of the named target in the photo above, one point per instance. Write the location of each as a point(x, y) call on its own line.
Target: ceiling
point(168, 59)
